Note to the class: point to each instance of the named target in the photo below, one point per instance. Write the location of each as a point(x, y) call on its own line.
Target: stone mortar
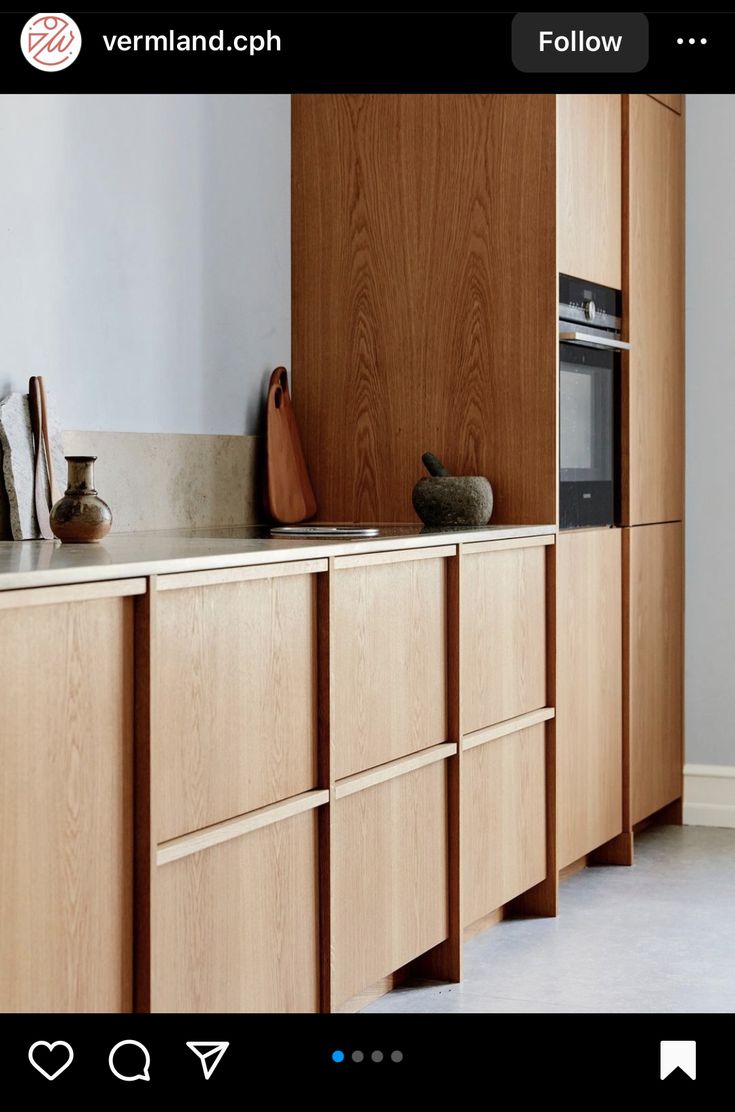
point(453, 500)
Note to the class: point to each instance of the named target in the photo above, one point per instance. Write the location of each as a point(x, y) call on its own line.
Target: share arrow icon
point(209, 1054)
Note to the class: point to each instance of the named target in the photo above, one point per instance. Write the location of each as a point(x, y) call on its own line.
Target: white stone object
point(16, 441)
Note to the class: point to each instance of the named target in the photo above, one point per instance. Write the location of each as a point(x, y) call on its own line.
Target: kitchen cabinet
point(424, 297)
point(503, 820)
point(255, 789)
point(232, 877)
point(236, 922)
point(66, 797)
point(503, 630)
point(389, 656)
point(234, 714)
point(390, 877)
point(653, 371)
point(589, 751)
point(589, 186)
point(653, 558)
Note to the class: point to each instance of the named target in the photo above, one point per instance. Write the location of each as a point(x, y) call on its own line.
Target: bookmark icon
point(679, 1054)
point(209, 1054)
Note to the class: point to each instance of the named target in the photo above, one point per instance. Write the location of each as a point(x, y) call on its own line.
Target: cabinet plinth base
point(618, 851)
point(670, 815)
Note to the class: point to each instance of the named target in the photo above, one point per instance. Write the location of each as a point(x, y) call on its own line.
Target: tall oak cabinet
point(653, 455)
point(653, 379)
point(634, 230)
point(428, 235)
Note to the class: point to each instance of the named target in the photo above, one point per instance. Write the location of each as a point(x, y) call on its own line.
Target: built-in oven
point(589, 403)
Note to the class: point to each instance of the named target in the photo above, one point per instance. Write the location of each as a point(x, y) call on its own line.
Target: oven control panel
point(585, 303)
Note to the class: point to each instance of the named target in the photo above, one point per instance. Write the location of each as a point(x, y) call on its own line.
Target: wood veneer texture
point(424, 297)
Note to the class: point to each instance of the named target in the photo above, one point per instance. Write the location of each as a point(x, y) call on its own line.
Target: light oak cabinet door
point(389, 657)
point(503, 820)
point(236, 926)
point(653, 371)
point(653, 556)
point(589, 186)
point(503, 632)
point(66, 749)
point(589, 691)
point(234, 694)
point(389, 877)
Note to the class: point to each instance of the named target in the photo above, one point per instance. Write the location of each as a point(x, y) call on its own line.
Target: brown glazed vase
point(81, 517)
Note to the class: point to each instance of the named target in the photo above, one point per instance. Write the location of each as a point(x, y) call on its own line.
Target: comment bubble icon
point(140, 1069)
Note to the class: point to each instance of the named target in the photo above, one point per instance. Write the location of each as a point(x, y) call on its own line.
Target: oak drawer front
point(389, 877)
point(503, 634)
point(388, 662)
point(66, 741)
point(235, 926)
point(234, 706)
point(503, 820)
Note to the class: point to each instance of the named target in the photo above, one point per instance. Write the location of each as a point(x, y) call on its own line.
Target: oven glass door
point(587, 435)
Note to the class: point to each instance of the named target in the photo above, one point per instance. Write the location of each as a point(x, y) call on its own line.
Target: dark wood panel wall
point(424, 298)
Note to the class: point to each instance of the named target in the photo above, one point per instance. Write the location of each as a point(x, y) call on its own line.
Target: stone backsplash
point(168, 480)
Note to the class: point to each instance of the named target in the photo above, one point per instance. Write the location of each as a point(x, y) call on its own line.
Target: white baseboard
point(709, 795)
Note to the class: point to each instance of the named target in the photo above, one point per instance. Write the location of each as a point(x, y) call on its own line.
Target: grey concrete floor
point(657, 937)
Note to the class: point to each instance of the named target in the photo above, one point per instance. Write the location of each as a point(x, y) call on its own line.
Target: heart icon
point(64, 1051)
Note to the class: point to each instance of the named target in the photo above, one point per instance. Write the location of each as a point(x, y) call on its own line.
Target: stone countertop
point(126, 555)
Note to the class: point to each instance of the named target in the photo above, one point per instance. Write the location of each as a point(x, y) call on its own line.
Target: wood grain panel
point(423, 233)
point(389, 663)
point(653, 557)
point(503, 635)
point(235, 714)
point(66, 807)
point(589, 691)
point(445, 961)
point(237, 926)
point(389, 877)
point(653, 371)
point(543, 898)
point(589, 186)
point(674, 101)
point(503, 820)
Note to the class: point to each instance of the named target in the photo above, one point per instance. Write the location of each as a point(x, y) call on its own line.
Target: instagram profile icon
point(50, 41)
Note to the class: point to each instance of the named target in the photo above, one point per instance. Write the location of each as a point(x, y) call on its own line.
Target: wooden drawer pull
point(510, 726)
point(210, 836)
point(362, 780)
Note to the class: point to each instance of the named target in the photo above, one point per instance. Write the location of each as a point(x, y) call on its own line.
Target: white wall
point(710, 488)
point(145, 256)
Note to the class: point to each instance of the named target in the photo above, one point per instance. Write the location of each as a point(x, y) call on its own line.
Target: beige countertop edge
point(29, 564)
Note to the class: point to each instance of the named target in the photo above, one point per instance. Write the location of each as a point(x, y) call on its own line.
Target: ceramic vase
point(81, 516)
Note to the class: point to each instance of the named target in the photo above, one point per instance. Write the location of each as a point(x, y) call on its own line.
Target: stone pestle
point(434, 466)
